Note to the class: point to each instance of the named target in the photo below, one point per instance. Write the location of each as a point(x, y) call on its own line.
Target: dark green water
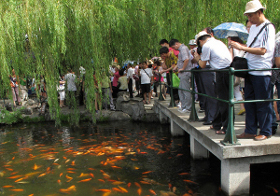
point(120, 158)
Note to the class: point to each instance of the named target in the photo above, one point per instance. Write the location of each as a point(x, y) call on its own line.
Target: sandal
point(211, 127)
point(241, 112)
point(220, 132)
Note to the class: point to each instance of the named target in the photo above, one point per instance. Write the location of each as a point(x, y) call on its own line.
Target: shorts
point(146, 88)
point(61, 95)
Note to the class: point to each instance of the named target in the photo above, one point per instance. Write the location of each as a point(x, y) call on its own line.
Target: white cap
point(253, 6)
point(232, 34)
point(192, 42)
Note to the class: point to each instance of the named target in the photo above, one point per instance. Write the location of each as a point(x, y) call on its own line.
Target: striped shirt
point(266, 39)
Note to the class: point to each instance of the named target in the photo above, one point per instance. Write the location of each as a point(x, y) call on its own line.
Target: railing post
point(160, 97)
point(193, 115)
point(230, 137)
point(172, 101)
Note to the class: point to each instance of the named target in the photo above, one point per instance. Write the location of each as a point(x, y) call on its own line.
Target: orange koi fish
point(14, 177)
point(71, 172)
point(8, 186)
point(152, 191)
point(106, 194)
point(179, 155)
point(137, 184)
point(113, 166)
point(117, 189)
point(69, 178)
point(101, 180)
point(20, 179)
point(139, 191)
point(9, 169)
point(117, 183)
point(123, 189)
point(85, 180)
point(71, 169)
point(189, 181)
point(17, 190)
point(91, 174)
point(59, 181)
point(35, 167)
point(103, 190)
point(144, 182)
point(91, 169)
point(41, 175)
point(129, 184)
point(147, 172)
point(186, 194)
point(185, 173)
point(60, 174)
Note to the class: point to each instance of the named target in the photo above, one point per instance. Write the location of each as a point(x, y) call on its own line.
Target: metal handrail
point(230, 137)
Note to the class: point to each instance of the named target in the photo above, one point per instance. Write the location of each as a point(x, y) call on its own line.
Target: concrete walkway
point(235, 160)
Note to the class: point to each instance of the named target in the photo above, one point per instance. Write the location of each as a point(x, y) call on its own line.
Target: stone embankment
point(126, 109)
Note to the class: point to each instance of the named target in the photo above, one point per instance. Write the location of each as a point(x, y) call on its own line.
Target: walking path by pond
point(235, 159)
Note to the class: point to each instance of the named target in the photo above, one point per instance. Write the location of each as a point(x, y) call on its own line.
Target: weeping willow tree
point(44, 38)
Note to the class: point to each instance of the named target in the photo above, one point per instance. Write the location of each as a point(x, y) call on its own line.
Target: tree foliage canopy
point(89, 33)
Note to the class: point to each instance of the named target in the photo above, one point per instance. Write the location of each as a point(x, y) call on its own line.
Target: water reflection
point(108, 159)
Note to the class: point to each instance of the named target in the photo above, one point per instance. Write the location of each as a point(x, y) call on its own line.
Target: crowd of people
point(142, 79)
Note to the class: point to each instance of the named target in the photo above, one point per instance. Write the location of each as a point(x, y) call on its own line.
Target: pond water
point(108, 159)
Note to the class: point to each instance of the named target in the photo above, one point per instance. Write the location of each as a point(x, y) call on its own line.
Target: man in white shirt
point(257, 83)
point(216, 53)
point(129, 75)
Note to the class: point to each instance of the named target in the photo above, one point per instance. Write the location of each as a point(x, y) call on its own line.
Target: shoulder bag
point(239, 63)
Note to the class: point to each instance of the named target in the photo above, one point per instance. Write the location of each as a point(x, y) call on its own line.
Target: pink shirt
point(116, 79)
point(176, 52)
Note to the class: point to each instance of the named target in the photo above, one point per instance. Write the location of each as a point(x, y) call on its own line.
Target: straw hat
point(253, 6)
point(200, 34)
point(232, 34)
point(119, 67)
point(192, 42)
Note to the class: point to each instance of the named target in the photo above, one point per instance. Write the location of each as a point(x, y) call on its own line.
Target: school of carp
point(88, 164)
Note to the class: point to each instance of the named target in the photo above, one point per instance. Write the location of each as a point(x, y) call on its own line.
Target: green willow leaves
point(90, 33)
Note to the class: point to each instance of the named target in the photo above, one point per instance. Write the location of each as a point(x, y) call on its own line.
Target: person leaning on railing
point(218, 55)
point(257, 83)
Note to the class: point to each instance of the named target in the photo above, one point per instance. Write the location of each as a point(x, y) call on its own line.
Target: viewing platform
point(235, 159)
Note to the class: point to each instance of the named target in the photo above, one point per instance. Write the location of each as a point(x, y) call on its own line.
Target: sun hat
point(192, 42)
point(232, 34)
point(200, 34)
point(253, 6)
point(119, 67)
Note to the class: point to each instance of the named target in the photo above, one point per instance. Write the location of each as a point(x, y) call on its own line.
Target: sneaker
point(179, 105)
point(185, 111)
point(201, 110)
